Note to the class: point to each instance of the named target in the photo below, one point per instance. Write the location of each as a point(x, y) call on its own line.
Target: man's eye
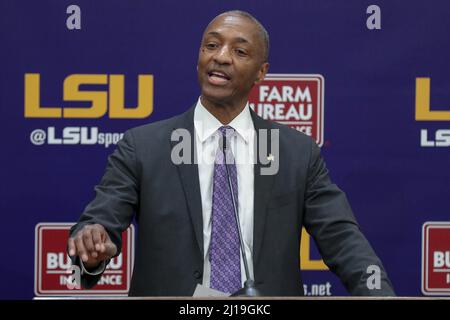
point(241, 52)
point(211, 45)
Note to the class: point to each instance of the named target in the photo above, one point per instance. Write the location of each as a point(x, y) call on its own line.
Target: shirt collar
point(206, 124)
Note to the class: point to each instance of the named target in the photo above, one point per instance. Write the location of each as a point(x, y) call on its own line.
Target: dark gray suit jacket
point(141, 180)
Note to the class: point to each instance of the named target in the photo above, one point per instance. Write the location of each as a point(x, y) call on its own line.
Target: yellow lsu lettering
point(306, 263)
point(98, 99)
point(423, 112)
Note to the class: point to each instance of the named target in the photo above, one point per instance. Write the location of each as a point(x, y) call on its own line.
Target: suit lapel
point(262, 187)
point(190, 179)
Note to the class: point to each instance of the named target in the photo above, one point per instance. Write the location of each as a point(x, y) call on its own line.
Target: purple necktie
point(224, 250)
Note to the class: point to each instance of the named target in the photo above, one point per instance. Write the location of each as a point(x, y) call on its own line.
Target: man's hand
point(92, 244)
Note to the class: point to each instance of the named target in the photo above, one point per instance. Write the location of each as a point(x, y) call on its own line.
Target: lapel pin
point(270, 157)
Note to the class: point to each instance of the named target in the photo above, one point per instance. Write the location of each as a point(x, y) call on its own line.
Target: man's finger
point(105, 238)
point(97, 238)
point(81, 250)
point(110, 248)
point(87, 240)
point(72, 247)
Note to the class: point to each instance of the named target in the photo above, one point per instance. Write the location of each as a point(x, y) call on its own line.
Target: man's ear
point(262, 72)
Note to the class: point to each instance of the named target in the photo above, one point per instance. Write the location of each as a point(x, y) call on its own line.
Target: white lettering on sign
point(441, 259)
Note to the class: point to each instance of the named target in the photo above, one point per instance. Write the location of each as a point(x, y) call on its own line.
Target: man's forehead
point(231, 18)
point(240, 24)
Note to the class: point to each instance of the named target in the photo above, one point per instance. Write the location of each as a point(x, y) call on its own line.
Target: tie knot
point(226, 131)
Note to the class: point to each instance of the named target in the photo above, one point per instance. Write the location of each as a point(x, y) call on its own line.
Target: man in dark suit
point(187, 234)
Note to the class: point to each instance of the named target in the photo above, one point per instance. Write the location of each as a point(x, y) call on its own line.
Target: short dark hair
point(262, 31)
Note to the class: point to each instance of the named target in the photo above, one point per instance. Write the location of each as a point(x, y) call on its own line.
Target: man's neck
point(225, 113)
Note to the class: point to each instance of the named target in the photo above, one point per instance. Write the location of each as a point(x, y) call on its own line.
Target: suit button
point(197, 274)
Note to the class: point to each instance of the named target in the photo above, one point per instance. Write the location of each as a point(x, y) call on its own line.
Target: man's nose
point(223, 55)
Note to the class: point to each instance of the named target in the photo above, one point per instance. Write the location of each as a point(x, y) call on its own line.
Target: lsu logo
point(306, 260)
point(295, 100)
point(430, 137)
point(423, 112)
point(109, 101)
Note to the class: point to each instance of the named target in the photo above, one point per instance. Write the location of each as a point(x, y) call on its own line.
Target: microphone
point(249, 289)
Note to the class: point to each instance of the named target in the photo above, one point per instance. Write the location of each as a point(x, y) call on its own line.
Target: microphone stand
point(249, 289)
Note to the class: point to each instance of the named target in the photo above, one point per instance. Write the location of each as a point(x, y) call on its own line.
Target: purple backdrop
point(372, 139)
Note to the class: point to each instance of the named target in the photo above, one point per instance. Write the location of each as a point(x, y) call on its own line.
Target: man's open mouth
point(218, 77)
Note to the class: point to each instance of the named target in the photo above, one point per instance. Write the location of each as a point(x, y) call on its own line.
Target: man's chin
point(216, 97)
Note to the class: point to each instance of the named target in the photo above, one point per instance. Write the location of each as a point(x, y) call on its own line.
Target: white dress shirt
point(241, 143)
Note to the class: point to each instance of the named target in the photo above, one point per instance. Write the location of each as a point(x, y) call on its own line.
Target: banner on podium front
point(54, 273)
point(436, 258)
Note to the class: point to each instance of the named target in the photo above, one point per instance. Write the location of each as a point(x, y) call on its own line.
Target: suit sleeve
point(330, 221)
point(116, 198)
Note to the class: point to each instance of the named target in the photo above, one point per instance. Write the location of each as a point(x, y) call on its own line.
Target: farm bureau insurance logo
point(296, 100)
point(436, 258)
point(53, 265)
point(95, 104)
